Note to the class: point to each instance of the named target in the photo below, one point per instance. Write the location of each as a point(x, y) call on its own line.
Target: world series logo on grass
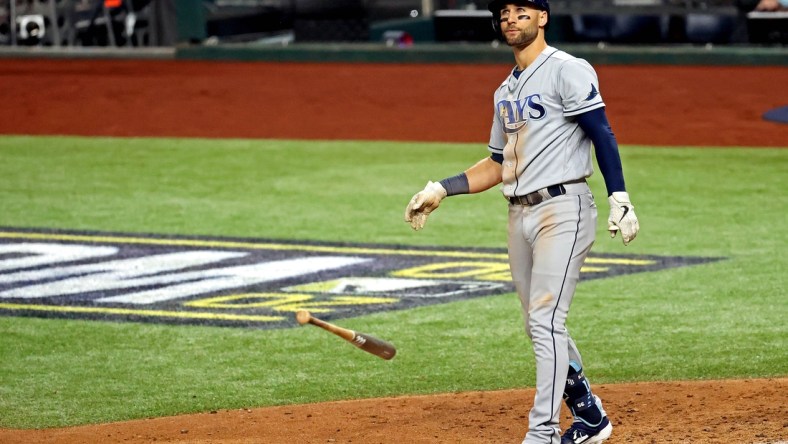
point(248, 282)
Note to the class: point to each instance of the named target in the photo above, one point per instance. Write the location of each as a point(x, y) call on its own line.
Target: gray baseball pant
point(548, 244)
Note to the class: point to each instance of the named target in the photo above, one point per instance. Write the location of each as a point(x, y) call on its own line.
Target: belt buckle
point(527, 200)
point(538, 197)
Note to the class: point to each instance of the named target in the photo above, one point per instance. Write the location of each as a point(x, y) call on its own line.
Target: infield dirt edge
point(716, 411)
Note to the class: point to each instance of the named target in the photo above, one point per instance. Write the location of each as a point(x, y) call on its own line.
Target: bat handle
point(343, 333)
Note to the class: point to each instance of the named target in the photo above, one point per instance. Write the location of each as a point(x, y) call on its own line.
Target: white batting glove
point(423, 203)
point(622, 217)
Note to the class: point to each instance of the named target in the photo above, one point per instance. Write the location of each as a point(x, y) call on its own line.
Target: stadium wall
point(486, 53)
point(424, 53)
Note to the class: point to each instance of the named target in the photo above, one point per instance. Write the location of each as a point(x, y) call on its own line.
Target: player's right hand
point(423, 203)
point(622, 217)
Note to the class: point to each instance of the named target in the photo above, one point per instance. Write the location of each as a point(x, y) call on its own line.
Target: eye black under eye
point(519, 17)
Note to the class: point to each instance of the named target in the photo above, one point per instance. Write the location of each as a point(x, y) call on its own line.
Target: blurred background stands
point(60, 23)
point(133, 23)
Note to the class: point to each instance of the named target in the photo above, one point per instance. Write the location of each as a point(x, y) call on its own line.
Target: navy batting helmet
point(495, 7)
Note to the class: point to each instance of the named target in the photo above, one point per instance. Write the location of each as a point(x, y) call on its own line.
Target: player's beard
point(525, 37)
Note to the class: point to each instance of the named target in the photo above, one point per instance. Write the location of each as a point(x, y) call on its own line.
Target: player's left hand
point(622, 217)
point(423, 203)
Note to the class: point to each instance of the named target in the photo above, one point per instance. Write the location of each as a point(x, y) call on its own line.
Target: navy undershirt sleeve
point(497, 157)
point(594, 123)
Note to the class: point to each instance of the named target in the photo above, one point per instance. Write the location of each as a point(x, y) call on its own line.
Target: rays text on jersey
point(516, 113)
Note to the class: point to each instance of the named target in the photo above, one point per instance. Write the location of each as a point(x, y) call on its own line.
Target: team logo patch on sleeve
point(249, 282)
point(593, 93)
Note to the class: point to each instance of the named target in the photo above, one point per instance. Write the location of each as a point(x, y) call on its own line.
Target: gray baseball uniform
point(546, 117)
point(546, 158)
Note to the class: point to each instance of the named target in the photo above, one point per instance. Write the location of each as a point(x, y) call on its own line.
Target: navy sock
point(578, 397)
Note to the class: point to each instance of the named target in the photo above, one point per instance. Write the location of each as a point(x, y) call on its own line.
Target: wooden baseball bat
point(369, 344)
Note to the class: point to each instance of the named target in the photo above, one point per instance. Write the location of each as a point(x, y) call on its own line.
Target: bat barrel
point(377, 347)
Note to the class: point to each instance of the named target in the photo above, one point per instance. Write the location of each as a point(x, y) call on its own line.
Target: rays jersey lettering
point(515, 114)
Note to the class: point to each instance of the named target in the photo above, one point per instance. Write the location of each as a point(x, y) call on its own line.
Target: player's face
point(519, 24)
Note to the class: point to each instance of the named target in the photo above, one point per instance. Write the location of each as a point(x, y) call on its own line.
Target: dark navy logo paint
point(249, 282)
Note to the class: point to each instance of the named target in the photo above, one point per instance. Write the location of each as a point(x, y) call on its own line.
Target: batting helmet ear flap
point(496, 24)
point(495, 9)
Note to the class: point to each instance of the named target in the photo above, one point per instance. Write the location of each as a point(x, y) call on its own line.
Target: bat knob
point(303, 316)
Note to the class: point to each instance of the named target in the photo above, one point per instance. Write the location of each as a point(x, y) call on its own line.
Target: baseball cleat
point(582, 433)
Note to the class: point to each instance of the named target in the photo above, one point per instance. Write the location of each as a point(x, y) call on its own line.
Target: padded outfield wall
point(462, 53)
point(487, 53)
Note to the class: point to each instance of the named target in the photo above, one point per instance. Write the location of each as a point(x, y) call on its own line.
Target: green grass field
point(719, 320)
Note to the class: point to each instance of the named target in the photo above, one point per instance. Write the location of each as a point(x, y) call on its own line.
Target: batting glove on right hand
point(622, 217)
point(423, 203)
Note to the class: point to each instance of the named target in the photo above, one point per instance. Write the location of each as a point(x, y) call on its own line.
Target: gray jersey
point(533, 126)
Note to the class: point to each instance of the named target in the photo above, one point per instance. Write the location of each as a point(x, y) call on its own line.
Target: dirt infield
point(749, 411)
point(719, 106)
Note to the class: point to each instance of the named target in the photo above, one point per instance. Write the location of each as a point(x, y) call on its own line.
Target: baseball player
point(548, 112)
